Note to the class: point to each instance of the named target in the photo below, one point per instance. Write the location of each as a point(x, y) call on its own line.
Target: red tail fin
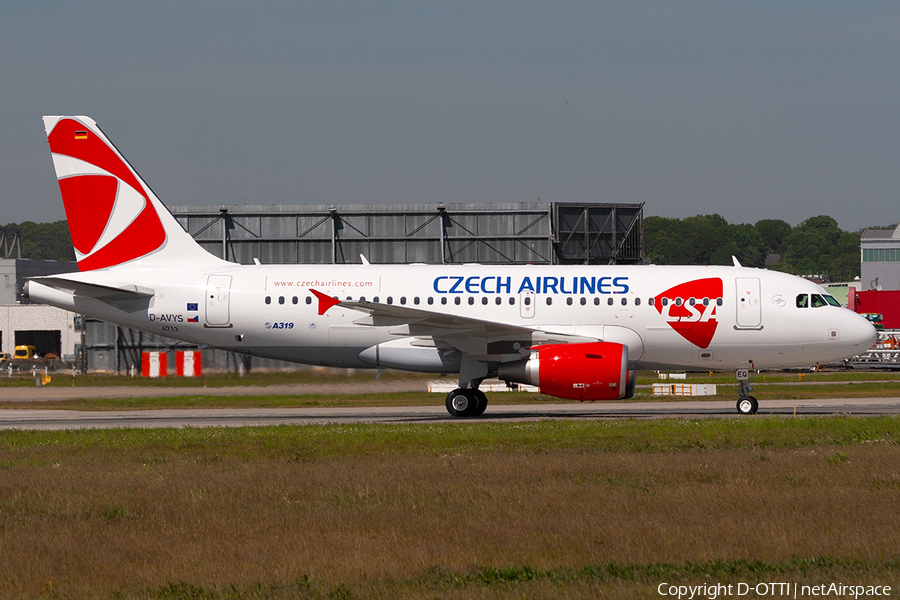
point(113, 216)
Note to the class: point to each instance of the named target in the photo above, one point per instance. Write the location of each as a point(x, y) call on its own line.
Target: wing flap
point(478, 338)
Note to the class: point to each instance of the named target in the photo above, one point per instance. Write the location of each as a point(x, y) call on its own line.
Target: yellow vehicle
point(26, 352)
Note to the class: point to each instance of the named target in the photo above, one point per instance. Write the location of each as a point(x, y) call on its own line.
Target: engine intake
point(592, 371)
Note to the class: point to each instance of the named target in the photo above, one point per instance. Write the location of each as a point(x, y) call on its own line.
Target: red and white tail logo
point(690, 309)
point(111, 217)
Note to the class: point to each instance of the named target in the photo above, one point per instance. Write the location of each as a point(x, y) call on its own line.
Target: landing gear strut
point(746, 404)
point(466, 403)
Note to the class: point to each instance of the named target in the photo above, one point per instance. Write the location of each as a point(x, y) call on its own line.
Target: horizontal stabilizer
point(95, 290)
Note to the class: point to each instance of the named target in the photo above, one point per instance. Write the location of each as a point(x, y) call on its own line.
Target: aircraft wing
point(480, 339)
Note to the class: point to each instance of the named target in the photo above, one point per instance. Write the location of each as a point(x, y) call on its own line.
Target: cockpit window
point(816, 300)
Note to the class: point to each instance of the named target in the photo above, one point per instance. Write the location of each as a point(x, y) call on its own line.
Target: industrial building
point(520, 233)
point(22, 322)
point(512, 233)
point(880, 250)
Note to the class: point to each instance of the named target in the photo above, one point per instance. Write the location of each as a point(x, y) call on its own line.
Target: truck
point(25, 352)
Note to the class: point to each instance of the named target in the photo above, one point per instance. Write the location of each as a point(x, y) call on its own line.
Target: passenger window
point(402, 299)
point(390, 300)
point(457, 300)
point(549, 300)
point(280, 299)
point(471, 300)
point(375, 299)
point(651, 301)
point(416, 300)
point(362, 298)
point(268, 299)
point(444, 300)
point(637, 301)
point(294, 300)
point(718, 302)
point(624, 301)
point(609, 301)
point(527, 300)
point(309, 299)
point(484, 299)
point(512, 301)
point(430, 300)
point(583, 300)
point(569, 301)
point(802, 301)
point(596, 301)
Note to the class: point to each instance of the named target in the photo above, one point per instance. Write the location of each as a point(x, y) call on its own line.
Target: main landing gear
point(466, 402)
point(746, 404)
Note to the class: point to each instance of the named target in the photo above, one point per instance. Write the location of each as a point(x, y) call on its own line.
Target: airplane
point(576, 332)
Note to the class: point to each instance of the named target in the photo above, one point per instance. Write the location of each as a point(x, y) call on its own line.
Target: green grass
point(315, 376)
point(625, 580)
point(546, 509)
point(309, 376)
point(349, 441)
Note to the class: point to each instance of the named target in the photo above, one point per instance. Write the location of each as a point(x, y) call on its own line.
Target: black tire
point(482, 403)
point(461, 403)
point(747, 405)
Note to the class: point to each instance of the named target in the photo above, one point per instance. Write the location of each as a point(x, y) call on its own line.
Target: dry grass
point(319, 512)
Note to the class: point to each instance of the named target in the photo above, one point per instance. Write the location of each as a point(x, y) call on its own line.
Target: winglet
point(736, 262)
point(325, 301)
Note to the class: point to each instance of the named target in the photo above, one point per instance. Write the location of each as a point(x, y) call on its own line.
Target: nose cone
point(861, 333)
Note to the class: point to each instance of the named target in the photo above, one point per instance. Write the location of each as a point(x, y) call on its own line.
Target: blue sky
point(755, 110)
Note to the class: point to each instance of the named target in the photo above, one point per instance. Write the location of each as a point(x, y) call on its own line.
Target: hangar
point(23, 322)
point(515, 233)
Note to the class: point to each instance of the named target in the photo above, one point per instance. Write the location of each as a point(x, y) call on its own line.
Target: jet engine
point(590, 371)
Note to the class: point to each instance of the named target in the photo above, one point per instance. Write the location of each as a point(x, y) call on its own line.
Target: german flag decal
point(81, 135)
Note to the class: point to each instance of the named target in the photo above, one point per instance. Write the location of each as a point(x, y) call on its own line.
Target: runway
point(28, 419)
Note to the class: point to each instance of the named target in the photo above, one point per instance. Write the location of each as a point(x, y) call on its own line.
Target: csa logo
point(695, 321)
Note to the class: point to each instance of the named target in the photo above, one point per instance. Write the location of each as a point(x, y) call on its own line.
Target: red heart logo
point(691, 309)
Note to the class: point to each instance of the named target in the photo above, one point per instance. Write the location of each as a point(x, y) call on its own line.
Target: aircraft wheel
point(747, 405)
point(482, 403)
point(461, 403)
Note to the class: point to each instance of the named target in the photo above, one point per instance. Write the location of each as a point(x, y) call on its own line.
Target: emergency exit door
point(218, 301)
point(749, 307)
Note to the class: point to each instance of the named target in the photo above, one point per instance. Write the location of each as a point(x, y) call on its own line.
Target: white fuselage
point(704, 318)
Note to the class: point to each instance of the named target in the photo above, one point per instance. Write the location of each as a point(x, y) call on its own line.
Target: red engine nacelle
point(592, 371)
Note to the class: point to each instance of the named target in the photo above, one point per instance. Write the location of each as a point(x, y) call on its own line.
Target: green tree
point(817, 246)
point(772, 232)
point(44, 241)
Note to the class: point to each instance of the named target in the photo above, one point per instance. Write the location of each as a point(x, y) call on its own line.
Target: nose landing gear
point(746, 404)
